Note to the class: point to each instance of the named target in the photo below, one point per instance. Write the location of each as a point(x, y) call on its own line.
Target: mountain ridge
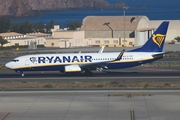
point(21, 8)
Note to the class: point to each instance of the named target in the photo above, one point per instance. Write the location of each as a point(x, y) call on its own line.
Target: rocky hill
point(19, 8)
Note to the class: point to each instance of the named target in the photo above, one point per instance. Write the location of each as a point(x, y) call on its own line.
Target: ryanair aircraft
point(86, 62)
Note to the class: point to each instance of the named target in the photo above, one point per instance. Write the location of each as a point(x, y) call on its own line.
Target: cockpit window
point(15, 60)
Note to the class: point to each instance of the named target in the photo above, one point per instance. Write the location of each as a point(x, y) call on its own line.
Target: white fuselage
point(56, 61)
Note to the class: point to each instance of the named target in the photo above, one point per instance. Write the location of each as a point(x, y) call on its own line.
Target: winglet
point(120, 55)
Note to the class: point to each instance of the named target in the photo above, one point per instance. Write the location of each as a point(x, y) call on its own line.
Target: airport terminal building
point(117, 30)
point(110, 31)
point(18, 39)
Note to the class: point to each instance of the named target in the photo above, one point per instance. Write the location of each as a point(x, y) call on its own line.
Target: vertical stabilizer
point(156, 42)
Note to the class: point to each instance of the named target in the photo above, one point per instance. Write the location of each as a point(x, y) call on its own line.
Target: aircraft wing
point(101, 50)
point(101, 64)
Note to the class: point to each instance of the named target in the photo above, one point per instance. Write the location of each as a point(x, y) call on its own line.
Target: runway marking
point(129, 95)
point(132, 114)
point(6, 116)
point(160, 69)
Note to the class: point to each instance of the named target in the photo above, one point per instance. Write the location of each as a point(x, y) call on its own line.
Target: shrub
point(100, 86)
point(114, 82)
point(48, 86)
point(167, 85)
point(147, 85)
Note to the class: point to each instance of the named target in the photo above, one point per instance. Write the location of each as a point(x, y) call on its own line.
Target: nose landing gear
point(22, 74)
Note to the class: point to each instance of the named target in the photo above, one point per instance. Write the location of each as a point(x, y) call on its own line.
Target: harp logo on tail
point(158, 39)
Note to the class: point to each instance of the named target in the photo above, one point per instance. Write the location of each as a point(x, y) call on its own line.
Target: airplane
point(151, 51)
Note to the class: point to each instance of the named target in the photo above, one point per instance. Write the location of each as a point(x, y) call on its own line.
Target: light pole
point(107, 24)
point(65, 4)
point(124, 8)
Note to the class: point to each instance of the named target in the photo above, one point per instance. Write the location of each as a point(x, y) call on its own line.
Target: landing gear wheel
point(22, 74)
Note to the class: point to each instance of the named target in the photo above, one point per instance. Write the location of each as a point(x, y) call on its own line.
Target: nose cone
point(8, 65)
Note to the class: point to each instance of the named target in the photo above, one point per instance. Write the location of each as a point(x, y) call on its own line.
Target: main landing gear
point(88, 72)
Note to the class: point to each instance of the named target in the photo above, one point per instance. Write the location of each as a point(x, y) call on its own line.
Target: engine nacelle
point(72, 68)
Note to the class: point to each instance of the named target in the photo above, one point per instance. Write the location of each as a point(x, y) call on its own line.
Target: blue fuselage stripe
point(117, 65)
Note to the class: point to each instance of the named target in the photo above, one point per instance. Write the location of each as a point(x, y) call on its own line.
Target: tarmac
point(90, 105)
point(154, 104)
